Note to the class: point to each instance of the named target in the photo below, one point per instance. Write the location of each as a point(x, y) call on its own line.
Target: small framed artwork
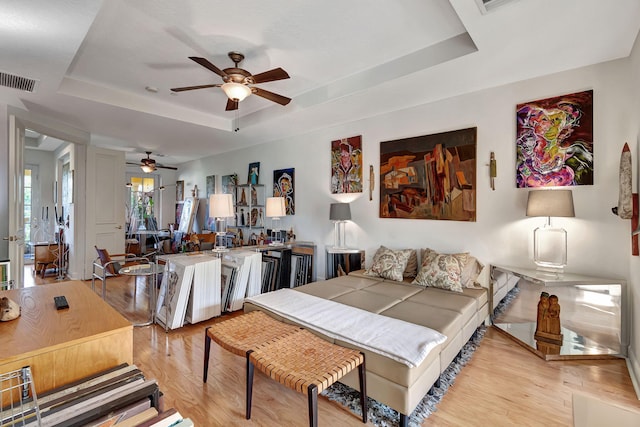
point(346, 165)
point(284, 186)
point(254, 173)
point(211, 185)
point(179, 191)
point(554, 141)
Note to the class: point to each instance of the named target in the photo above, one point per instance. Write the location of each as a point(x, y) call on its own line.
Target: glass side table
point(151, 271)
point(593, 315)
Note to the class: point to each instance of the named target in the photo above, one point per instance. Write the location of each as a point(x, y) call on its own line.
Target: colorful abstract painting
point(346, 165)
point(284, 186)
point(429, 176)
point(211, 189)
point(555, 141)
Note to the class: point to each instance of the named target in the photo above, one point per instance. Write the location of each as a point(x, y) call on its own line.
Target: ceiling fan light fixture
point(236, 91)
point(147, 168)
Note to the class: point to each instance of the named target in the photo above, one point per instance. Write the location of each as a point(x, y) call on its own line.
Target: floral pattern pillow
point(442, 271)
point(389, 264)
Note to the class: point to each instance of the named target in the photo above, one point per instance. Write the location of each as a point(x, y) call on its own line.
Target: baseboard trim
point(633, 365)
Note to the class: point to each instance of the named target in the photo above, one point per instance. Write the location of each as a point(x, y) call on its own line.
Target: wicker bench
point(292, 356)
point(243, 333)
point(307, 364)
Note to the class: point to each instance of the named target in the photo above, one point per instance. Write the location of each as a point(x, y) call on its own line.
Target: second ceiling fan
point(238, 83)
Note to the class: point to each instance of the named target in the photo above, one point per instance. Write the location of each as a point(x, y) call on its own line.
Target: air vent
point(489, 5)
point(17, 82)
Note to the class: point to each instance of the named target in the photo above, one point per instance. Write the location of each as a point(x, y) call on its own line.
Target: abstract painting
point(284, 186)
point(554, 141)
point(211, 189)
point(346, 165)
point(179, 191)
point(429, 176)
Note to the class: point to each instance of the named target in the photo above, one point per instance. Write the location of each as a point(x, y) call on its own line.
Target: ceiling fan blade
point(166, 167)
point(181, 89)
point(208, 65)
point(282, 100)
point(231, 105)
point(271, 75)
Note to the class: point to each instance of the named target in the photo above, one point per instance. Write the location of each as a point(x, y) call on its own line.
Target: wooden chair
point(108, 265)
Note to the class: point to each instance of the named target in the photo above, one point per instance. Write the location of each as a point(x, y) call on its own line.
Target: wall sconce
point(275, 210)
point(340, 213)
point(550, 243)
point(220, 208)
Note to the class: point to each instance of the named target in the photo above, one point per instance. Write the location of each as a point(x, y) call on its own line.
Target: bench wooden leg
point(313, 405)
point(404, 420)
point(207, 350)
point(249, 385)
point(362, 373)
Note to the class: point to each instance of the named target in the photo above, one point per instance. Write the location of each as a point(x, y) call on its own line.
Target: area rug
point(383, 416)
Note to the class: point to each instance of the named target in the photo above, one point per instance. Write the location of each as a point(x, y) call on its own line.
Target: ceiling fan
point(149, 165)
point(238, 82)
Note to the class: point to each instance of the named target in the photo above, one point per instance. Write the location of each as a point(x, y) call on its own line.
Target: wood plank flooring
point(503, 384)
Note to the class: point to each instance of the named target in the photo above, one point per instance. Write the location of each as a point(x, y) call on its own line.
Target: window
point(141, 203)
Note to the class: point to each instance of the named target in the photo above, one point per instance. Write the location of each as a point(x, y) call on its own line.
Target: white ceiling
point(347, 60)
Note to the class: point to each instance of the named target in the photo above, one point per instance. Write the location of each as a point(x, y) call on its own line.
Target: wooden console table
point(63, 346)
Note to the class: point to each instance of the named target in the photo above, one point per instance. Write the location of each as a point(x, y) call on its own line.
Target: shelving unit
point(250, 209)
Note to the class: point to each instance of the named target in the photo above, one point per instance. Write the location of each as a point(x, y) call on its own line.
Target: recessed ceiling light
point(151, 89)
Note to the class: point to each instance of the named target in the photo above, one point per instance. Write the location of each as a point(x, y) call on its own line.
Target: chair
point(108, 265)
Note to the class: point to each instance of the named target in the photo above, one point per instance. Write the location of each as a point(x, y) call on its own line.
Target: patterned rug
point(383, 416)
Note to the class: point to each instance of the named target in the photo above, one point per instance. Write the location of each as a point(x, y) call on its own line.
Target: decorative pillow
point(442, 271)
point(470, 272)
point(412, 265)
point(389, 264)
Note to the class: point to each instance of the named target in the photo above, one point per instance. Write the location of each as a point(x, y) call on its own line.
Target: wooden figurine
point(548, 327)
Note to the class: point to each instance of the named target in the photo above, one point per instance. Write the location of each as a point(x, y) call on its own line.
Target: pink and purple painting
point(554, 145)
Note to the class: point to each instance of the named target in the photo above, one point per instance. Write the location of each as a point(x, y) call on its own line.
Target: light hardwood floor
point(503, 385)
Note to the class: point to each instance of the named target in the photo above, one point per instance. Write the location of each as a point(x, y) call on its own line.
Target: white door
point(16, 200)
point(105, 203)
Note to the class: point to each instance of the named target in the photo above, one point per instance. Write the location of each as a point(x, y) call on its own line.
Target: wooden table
point(63, 346)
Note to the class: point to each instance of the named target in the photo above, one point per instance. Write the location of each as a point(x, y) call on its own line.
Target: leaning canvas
point(429, 176)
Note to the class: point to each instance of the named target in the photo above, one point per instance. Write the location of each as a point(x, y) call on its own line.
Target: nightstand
point(346, 259)
point(593, 323)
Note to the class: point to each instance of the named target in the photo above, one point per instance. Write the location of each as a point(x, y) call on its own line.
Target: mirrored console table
point(592, 320)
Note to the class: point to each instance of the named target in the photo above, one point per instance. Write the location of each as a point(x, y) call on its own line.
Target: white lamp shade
point(550, 203)
point(275, 207)
point(340, 212)
point(220, 206)
point(236, 91)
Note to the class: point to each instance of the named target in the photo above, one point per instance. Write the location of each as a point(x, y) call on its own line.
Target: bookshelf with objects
point(250, 210)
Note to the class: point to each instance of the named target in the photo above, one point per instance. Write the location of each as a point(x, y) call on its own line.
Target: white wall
point(634, 265)
point(599, 242)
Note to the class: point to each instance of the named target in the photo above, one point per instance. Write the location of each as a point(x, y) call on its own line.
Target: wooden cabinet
point(63, 346)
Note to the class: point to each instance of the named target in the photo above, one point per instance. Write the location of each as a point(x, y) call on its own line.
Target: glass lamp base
point(550, 248)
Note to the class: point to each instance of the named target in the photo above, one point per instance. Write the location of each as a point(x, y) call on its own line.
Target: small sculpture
point(548, 327)
point(9, 310)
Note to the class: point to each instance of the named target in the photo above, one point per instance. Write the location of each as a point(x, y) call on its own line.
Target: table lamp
point(220, 208)
point(275, 210)
point(340, 213)
point(550, 243)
